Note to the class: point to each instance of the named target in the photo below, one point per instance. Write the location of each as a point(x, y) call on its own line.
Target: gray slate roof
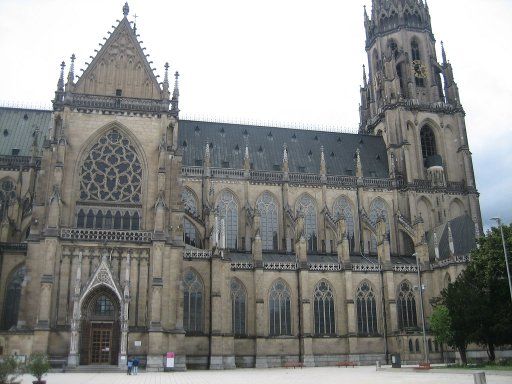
point(228, 143)
point(463, 233)
point(17, 127)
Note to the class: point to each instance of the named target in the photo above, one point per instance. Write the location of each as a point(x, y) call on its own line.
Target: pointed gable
point(120, 65)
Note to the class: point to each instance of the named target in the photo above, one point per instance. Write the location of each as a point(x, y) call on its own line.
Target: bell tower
point(412, 100)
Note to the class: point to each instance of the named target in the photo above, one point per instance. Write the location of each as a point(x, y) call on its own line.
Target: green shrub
point(9, 371)
point(38, 365)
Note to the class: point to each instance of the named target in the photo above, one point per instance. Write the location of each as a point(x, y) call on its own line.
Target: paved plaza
point(327, 375)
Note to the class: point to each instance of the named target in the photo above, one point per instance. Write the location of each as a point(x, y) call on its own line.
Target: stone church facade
point(128, 231)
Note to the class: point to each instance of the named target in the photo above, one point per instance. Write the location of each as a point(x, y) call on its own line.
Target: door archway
point(100, 328)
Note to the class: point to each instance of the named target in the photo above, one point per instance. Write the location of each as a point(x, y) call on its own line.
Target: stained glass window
point(406, 306)
point(238, 300)
point(189, 201)
point(279, 309)
point(324, 309)
point(228, 210)
point(366, 309)
point(267, 207)
point(192, 302)
point(378, 208)
point(111, 171)
point(306, 206)
point(103, 306)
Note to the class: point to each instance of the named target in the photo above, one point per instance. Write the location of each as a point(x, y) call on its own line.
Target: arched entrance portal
point(100, 328)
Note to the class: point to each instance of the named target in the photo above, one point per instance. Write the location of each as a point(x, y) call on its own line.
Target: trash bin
point(396, 362)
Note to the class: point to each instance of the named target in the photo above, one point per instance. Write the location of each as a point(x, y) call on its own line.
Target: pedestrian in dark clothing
point(130, 366)
point(135, 368)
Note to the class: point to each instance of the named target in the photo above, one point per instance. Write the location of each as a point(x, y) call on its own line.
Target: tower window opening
point(428, 142)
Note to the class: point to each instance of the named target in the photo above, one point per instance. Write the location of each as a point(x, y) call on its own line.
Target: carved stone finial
point(323, 168)
point(60, 83)
point(126, 9)
point(71, 73)
point(365, 80)
point(166, 74)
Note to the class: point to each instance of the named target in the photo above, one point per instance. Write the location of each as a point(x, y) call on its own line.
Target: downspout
point(384, 315)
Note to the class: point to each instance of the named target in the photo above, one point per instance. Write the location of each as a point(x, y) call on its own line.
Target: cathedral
point(126, 231)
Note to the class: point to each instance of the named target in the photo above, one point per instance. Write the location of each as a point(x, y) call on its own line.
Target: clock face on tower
point(419, 69)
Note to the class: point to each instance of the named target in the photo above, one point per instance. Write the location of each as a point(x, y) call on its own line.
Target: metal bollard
point(479, 378)
point(377, 365)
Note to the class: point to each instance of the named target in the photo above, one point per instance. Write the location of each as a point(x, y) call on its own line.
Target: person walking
point(135, 364)
point(130, 367)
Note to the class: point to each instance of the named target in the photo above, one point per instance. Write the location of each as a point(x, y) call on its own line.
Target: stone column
point(74, 357)
point(260, 323)
point(304, 302)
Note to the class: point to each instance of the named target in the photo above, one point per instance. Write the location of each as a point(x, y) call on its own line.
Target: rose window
point(112, 171)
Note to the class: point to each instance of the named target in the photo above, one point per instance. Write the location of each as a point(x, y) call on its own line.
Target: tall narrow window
point(406, 306)
point(99, 220)
point(135, 221)
point(267, 208)
point(238, 299)
point(366, 309)
point(89, 222)
point(189, 201)
point(228, 210)
point(80, 220)
point(279, 309)
point(378, 208)
point(7, 196)
point(342, 207)
point(306, 206)
point(325, 323)
point(416, 62)
point(192, 302)
point(428, 142)
point(12, 299)
point(190, 235)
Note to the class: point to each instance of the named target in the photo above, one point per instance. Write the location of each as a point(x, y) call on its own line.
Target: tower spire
point(60, 83)
point(71, 73)
point(443, 53)
point(175, 96)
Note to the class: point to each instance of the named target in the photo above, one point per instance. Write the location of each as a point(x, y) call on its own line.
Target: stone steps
point(96, 369)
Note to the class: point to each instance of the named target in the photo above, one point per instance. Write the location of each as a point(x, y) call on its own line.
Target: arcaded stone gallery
point(126, 231)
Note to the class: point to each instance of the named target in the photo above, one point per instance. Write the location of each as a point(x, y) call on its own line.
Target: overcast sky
point(273, 61)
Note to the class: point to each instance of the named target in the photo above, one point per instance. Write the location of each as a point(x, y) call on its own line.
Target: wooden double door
point(100, 344)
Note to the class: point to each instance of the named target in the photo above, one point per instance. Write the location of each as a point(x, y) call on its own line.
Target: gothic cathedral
point(126, 231)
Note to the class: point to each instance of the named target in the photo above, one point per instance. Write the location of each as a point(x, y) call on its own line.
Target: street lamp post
point(504, 253)
point(420, 288)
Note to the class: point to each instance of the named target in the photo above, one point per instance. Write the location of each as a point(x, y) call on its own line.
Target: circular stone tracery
point(111, 171)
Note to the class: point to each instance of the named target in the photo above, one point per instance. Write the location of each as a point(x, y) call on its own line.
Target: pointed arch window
point(228, 210)
point(189, 201)
point(12, 298)
point(238, 300)
point(103, 306)
point(192, 302)
point(342, 207)
point(7, 196)
point(306, 206)
point(366, 309)
point(267, 208)
point(428, 142)
point(406, 307)
point(325, 323)
point(112, 171)
point(416, 58)
point(279, 309)
point(190, 234)
point(378, 208)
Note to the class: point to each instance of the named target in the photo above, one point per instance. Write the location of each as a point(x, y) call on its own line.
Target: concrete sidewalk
point(327, 375)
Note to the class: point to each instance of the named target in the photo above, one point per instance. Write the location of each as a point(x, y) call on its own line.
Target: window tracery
point(112, 171)
point(7, 195)
point(228, 210)
point(192, 302)
point(238, 300)
point(190, 234)
point(366, 309)
point(428, 142)
point(279, 309)
point(189, 201)
point(306, 206)
point(378, 208)
point(12, 298)
point(342, 206)
point(267, 207)
point(325, 323)
point(406, 306)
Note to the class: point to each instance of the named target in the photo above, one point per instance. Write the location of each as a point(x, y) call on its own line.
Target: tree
point(490, 291)
point(9, 371)
point(441, 325)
